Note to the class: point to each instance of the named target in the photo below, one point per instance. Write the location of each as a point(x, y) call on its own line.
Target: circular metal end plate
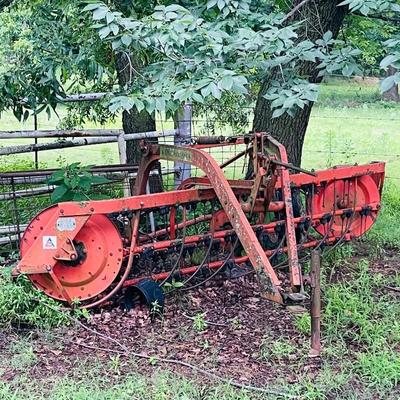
point(95, 273)
point(346, 194)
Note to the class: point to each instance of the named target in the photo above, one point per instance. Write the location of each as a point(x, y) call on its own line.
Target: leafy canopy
point(214, 47)
point(195, 51)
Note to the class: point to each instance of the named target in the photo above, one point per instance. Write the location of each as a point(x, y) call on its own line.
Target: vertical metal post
point(35, 128)
point(123, 160)
point(315, 309)
point(151, 214)
point(183, 137)
point(16, 212)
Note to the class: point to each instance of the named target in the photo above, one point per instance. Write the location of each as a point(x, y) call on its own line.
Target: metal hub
point(99, 248)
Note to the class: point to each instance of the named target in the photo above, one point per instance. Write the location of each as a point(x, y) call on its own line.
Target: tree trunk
point(132, 121)
point(393, 93)
point(319, 16)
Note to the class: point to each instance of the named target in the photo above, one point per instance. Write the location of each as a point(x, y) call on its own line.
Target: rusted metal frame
point(60, 287)
point(230, 141)
point(292, 167)
point(138, 202)
point(270, 189)
point(143, 202)
point(190, 222)
point(273, 207)
point(279, 150)
point(338, 173)
point(124, 277)
point(234, 158)
point(256, 187)
point(204, 181)
point(268, 280)
point(216, 264)
point(299, 180)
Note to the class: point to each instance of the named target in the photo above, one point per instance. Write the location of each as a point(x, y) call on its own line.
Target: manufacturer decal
point(66, 224)
point(49, 242)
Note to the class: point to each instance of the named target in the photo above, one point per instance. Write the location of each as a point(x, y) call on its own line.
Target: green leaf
point(215, 90)
point(59, 193)
point(278, 112)
point(126, 39)
point(100, 13)
point(110, 17)
point(389, 60)
point(79, 197)
point(226, 83)
point(91, 7)
point(104, 32)
point(86, 183)
point(387, 83)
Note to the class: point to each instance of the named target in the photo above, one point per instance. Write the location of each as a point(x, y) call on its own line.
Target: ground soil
point(238, 322)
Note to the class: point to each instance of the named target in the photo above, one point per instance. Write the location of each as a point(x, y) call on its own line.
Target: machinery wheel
point(100, 254)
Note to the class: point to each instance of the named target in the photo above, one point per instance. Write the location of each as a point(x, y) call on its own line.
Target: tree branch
point(294, 10)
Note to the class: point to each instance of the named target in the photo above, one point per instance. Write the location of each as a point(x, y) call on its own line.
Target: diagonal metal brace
point(270, 284)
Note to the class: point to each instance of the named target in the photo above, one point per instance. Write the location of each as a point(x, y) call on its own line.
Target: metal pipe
point(80, 142)
point(315, 310)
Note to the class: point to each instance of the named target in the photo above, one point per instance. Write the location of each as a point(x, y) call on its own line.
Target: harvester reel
point(73, 251)
point(99, 248)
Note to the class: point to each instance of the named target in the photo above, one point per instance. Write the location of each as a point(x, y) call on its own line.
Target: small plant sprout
point(199, 323)
point(153, 360)
point(236, 323)
point(155, 309)
point(115, 363)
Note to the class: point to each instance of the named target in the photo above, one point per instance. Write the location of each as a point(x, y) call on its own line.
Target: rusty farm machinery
point(266, 223)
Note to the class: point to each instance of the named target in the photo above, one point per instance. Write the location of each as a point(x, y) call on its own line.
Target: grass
point(386, 230)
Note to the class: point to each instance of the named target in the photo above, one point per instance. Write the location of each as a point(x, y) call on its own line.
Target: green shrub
point(75, 182)
point(22, 304)
point(358, 312)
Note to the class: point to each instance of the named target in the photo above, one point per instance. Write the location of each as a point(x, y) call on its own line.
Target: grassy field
point(361, 311)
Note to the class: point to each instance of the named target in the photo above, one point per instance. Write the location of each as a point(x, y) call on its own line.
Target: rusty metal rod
point(315, 310)
point(293, 167)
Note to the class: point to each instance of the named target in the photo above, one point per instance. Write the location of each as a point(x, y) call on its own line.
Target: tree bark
point(132, 121)
point(393, 93)
point(319, 16)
